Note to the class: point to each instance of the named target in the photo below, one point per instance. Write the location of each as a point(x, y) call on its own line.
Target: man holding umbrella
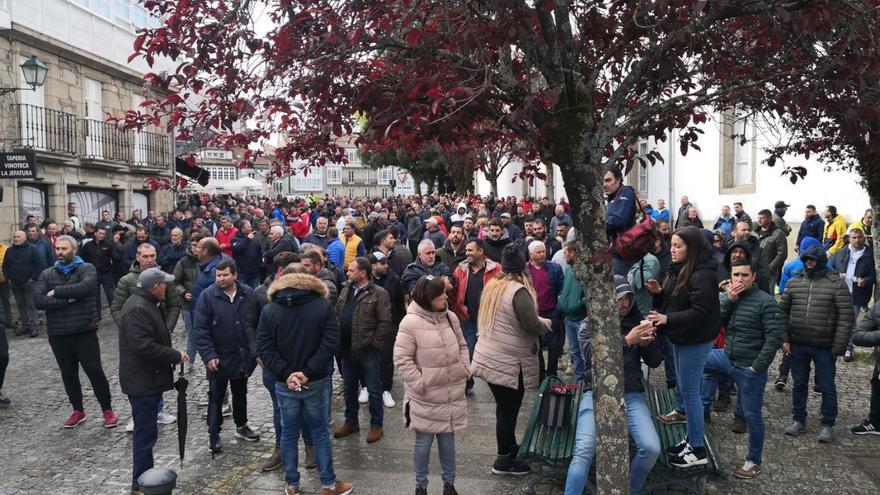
point(146, 363)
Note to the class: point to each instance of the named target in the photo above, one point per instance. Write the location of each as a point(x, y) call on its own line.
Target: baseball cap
point(781, 204)
point(378, 257)
point(621, 286)
point(505, 215)
point(151, 277)
point(431, 220)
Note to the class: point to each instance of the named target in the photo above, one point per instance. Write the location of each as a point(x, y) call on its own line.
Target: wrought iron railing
point(151, 150)
point(45, 129)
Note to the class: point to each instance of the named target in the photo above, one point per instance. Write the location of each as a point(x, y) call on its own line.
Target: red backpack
point(638, 240)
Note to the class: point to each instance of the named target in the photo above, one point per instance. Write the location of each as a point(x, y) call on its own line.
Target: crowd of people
point(443, 289)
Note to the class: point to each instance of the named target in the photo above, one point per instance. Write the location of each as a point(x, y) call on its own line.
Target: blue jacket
point(621, 212)
point(45, 253)
point(205, 278)
point(336, 252)
point(21, 264)
point(814, 227)
point(221, 331)
point(658, 215)
point(864, 269)
point(557, 277)
point(795, 267)
point(170, 255)
point(247, 253)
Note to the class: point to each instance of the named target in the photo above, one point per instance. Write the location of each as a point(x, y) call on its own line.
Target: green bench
point(665, 475)
point(551, 447)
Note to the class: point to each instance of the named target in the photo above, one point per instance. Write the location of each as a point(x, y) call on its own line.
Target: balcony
point(63, 133)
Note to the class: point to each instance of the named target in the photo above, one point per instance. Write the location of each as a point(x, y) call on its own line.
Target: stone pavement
point(38, 456)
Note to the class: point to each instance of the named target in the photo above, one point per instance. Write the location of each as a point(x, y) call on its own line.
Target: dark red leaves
point(413, 37)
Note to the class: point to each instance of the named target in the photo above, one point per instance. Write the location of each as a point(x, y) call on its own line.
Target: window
point(278, 187)
point(122, 10)
point(384, 175)
point(738, 153)
point(353, 159)
point(102, 8)
point(643, 170)
point(313, 182)
point(216, 155)
point(334, 175)
point(222, 173)
point(139, 17)
point(351, 176)
point(350, 193)
point(33, 200)
point(90, 202)
point(367, 193)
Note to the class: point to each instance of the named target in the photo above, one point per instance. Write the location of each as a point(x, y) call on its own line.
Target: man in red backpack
point(620, 213)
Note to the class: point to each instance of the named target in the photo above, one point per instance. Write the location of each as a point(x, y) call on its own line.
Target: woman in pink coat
point(432, 357)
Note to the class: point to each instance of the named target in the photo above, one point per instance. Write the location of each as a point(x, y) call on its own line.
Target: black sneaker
point(215, 447)
point(690, 457)
point(866, 428)
point(675, 449)
point(781, 382)
point(449, 490)
point(421, 491)
point(468, 390)
point(246, 434)
point(707, 417)
point(4, 400)
point(504, 466)
point(739, 425)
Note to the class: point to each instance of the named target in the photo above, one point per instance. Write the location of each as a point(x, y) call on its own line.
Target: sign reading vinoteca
point(18, 165)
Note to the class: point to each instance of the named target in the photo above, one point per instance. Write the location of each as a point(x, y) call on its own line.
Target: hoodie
point(755, 256)
point(297, 330)
point(795, 267)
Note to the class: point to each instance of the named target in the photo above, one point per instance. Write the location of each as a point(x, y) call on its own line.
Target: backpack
point(638, 240)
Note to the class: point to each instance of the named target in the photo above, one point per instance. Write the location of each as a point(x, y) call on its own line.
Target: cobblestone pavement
point(38, 456)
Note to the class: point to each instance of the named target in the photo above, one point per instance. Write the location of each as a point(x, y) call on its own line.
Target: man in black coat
point(99, 252)
point(146, 363)
point(66, 291)
point(248, 254)
point(384, 277)
point(228, 347)
point(21, 268)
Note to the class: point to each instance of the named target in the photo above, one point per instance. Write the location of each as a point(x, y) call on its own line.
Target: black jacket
point(146, 358)
point(864, 269)
point(494, 248)
point(391, 284)
point(247, 254)
point(21, 264)
point(170, 254)
point(297, 330)
point(221, 331)
point(100, 254)
point(694, 315)
point(71, 310)
point(867, 334)
point(161, 235)
point(632, 354)
point(755, 257)
point(284, 244)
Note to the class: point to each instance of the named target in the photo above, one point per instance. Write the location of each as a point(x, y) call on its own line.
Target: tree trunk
point(874, 198)
point(493, 182)
point(593, 270)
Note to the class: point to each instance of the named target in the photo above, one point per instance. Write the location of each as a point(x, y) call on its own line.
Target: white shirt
point(851, 267)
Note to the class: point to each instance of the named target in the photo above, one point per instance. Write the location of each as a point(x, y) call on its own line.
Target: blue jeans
point(308, 406)
point(571, 331)
point(422, 457)
point(189, 320)
point(641, 429)
point(750, 399)
point(252, 280)
point(689, 363)
point(144, 412)
point(365, 368)
point(269, 382)
point(469, 332)
point(826, 368)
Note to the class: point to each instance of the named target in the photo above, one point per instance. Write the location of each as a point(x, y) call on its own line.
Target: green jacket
point(754, 326)
point(819, 311)
point(650, 267)
point(774, 248)
point(126, 287)
point(571, 299)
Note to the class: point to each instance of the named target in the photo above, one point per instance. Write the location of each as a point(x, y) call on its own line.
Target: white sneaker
point(129, 427)
point(387, 399)
point(166, 419)
point(364, 396)
point(226, 411)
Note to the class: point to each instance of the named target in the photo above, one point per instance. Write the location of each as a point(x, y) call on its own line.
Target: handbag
point(556, 406)
point(637, 240)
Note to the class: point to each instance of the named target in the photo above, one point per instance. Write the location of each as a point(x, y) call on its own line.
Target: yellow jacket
point(3, 248)
point(835, 231)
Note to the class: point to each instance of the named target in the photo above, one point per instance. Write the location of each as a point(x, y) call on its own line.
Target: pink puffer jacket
point(432, 357)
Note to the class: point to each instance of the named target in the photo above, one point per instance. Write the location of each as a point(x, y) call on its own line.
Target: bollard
point(157, 481)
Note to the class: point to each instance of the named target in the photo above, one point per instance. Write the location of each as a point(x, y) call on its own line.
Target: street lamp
point(34, 75)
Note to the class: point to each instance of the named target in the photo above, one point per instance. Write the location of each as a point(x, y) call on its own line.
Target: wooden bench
point(665, 475)
point(551, 447)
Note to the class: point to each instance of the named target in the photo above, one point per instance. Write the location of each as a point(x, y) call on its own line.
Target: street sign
point(402, 175)
point(18, 165)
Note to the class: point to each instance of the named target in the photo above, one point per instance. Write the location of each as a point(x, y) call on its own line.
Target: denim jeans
point(641, 429)
point(469, 332)
point(784, 365)
point(144, 412)
point(367, 368)
point(689, 363)
point(308, 406)
point(571, 332)
point(750, 398)
point(269, 382)
point(24, 299)
point(189, 320)
point(826, 367)
point(422, 457)
point(105, 284)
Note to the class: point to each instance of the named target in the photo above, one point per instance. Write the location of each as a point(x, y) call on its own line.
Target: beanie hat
point(513, 260)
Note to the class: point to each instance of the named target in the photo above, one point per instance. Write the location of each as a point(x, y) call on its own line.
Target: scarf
point(68, 267)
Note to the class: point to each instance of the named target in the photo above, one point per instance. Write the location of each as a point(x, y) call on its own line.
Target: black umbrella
point(182, 419)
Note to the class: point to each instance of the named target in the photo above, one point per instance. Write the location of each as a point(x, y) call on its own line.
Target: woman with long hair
point(431, 354)
point(687, 312)
point(506, 355)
